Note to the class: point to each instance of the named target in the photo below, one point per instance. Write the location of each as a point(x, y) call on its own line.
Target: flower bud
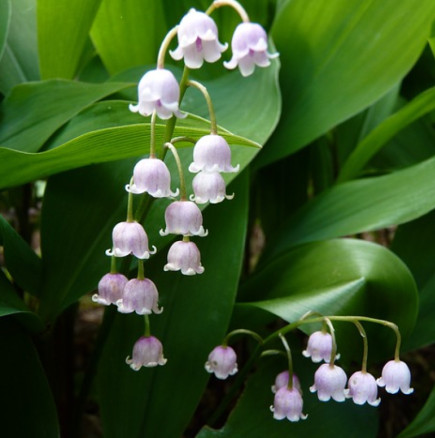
point(140, 296)
point(183, 217)
point(110, 289)
point(147, 352)
point(222, 361)
point(184, 256)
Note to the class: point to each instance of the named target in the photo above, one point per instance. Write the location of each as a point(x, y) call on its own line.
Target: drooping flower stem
point(290, 361)
point(256, 336)
point(147, 331)
point(164, 47)
point(173, 149)
point(140, 270)
point(183, 139)
point(130, 216)
point(203, 90)
point(153, 135)
point(113, 267)
point(363, 334)
point(334, 343)
point(231, 3)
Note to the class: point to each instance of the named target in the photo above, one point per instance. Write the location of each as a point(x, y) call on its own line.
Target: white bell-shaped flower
point(140, 296)
point(396, 376)
point(212, 154)
point(152, 176)
point(222, 361)
point(288, 404)
point(197, 40)
point(130, 238)
point(249, 46)
point(362, 388)
point(147, 352)
point(185, 257)
point(329, 381)
point(319, 347)
point(209, 187)
point(110, 289)
point(183, 217)
point(158, 90)
point(281, 381)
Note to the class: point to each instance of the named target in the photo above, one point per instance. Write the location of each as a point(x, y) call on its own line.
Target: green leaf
point(192, 305)
point(128, 34)
point(33, 112)
point(361, 205)
point(21, 261)
point(340, 56)
point(252, 417)
point(19, 62)
point(97, 147)
point(370, 145)
point(5, 17)
point(63, 29)
point(32, 415)
point(424, 422)
point(343, 276)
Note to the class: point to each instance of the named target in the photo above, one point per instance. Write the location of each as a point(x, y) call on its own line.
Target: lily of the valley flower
point(319, 347)
point(140, 296)
point(130, 238)
point(212, 154)
point(222, 361)
point(158, 90)
point(396, 376)
point(110, 289)
point(329, 381)
point(288, 404)
point(185, 257)
point(281, 381)
point(362, 388)
point(249, 46)
point(152, 176)
point(183, 217)
point(209, 187)
point(197, 40)
point(147, 352)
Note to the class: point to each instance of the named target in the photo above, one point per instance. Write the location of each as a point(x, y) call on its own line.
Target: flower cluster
point(159, 96)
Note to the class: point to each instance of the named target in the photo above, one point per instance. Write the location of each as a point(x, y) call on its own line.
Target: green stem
point(334, 343)
point(363, 334)
point(256, 336)
point(183, 139)
point(203, 90)
point(164, 47)
point(173, 149)
point(130, 216)
point(113, 269)
point(272, 353)
point(153, 135)
point(290, 361)
point(147, 332)
point(140, 270)
point(231, 3)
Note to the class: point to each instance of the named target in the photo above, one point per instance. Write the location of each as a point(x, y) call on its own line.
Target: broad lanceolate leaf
point(5, 16)
point(26, 405)
point(342, 276)
point(63, 28)
point(361, 205)
point(33, 112)
point(128, 33)
point(421, 105)
point(21, 261)
point(139, 404)
point(19, 62)
point(338, 57)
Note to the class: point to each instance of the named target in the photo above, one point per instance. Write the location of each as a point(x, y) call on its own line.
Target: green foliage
point(336, 146)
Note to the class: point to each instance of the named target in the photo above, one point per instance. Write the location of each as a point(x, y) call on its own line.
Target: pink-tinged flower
point(130, 238)
point(184, 256)
point(212, 154)
point(249, 46)
point(209, 187)
point(281, 381)
point(183, 217)
point(147, 352)
point(362, 388)
point(139, 296)
point(158, 90)
point(396, 375)
point(319, 347)
point(288, 404)
point(222, 361)
point(197, 40)
point(151, 175)
point(110, 289)
point(329, 381)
